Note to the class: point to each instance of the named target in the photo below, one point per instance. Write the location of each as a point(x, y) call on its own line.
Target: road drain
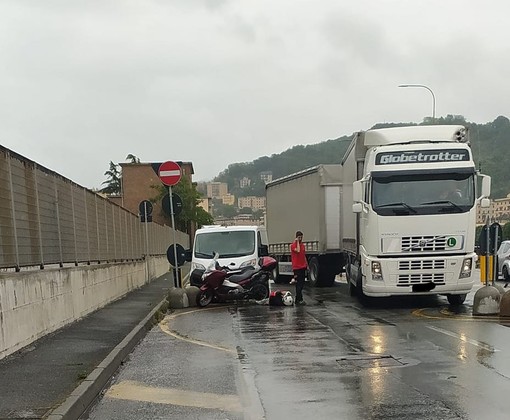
point(367, 361)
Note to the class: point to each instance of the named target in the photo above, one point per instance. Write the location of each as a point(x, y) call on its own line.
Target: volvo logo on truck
point(422, 156)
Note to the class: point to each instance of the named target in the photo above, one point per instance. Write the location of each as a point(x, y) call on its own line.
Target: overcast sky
point(216, 82)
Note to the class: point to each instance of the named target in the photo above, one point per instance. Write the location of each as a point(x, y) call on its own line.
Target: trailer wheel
point(313, 271)
point(327, 275)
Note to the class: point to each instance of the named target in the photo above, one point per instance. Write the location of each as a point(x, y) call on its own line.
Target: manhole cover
point(366, 361)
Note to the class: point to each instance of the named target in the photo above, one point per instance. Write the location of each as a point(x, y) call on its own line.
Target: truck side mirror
point(485, 203)
point(263, 251)
point(188, 255)
point(357, 192)
point(486, 186)
point(357, 208)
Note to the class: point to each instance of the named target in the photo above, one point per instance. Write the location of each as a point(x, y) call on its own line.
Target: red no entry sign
point(169, 173)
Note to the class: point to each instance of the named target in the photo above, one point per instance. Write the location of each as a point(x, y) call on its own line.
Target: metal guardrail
point(283, 248)
point(48, 219)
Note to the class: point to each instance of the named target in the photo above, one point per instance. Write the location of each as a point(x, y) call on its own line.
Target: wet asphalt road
point(413, 358)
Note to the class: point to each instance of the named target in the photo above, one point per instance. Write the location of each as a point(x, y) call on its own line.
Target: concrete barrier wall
point(36, 303)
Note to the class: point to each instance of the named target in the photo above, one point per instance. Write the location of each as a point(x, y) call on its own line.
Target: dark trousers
point(300, 279)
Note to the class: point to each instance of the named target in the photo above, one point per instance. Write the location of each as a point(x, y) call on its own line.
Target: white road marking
point(464, 339)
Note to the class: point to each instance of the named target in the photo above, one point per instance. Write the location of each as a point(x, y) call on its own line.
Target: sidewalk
point(58, 376)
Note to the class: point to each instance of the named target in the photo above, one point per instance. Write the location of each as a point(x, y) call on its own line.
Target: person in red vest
point(299, 266)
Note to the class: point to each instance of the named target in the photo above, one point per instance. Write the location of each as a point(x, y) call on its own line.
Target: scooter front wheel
point(204, 297)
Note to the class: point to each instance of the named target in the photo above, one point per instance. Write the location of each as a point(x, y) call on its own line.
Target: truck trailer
point(309, 201)
point(406, 201)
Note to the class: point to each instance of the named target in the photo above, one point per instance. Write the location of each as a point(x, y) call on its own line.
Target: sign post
point(496, 236)
point(145, 209)
point(170, 174)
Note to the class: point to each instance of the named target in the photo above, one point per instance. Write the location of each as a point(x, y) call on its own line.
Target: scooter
point(223, 284)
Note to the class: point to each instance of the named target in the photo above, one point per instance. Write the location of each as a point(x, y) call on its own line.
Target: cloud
point(220, 82)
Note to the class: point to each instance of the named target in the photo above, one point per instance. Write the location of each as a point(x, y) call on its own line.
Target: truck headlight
point(376, 270)
point(465, 270)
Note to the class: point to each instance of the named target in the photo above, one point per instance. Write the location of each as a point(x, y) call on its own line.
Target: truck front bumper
point(418, 276)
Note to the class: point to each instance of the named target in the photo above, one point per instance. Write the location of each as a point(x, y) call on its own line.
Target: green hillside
point(489, 143)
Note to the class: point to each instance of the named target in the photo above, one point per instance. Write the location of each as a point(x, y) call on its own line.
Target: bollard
point(192, 292)
point(177, 298)
point(504, 306)
point(500, 288)
point(486, 301)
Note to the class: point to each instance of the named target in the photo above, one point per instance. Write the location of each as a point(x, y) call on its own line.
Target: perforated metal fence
point(48, 219)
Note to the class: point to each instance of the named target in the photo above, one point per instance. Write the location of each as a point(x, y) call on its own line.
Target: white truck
point(400, 231)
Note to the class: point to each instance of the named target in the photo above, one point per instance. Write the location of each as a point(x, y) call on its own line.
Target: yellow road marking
point(446, 314)
point(164, 325)
point(135, 391)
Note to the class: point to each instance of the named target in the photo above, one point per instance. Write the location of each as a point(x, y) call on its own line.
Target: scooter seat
point(239, 277)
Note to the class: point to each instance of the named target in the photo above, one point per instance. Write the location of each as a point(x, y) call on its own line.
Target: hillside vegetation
point(489, 142)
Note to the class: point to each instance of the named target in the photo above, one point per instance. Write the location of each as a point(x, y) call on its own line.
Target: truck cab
point(415, 194)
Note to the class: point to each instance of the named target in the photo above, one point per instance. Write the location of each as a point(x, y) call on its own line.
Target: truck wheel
point(506, 274)
point(313, 272)
point(352, 286)
point(456, 300)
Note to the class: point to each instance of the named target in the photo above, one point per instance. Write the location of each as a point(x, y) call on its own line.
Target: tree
point(113, 183)
point(191, 211)
point(133, 158)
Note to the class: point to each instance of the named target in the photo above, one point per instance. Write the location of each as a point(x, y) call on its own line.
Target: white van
point(237, 246)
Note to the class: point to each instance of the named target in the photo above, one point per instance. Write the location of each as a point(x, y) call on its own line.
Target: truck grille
point(423, 243)
point(422, 265)
point(405, 280)
point(418, 276)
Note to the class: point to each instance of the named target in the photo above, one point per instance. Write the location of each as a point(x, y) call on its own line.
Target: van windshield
point(228, 244)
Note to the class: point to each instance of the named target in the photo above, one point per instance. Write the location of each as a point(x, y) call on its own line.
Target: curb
point(84, 394)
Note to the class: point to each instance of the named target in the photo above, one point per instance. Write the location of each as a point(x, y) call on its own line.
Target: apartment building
point(499, 210)
point(266, 176)
point(255, 203)
point(217, 189)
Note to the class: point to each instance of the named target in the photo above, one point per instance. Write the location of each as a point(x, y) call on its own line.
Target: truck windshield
point(228, 244)
point(423, 193)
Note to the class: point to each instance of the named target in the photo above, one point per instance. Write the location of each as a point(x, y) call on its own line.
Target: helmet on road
point(288, 300)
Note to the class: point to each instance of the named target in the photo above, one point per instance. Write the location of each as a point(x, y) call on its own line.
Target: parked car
point(503, 258)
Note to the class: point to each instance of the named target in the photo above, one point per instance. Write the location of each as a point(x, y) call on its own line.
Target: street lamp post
point(433, 97)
